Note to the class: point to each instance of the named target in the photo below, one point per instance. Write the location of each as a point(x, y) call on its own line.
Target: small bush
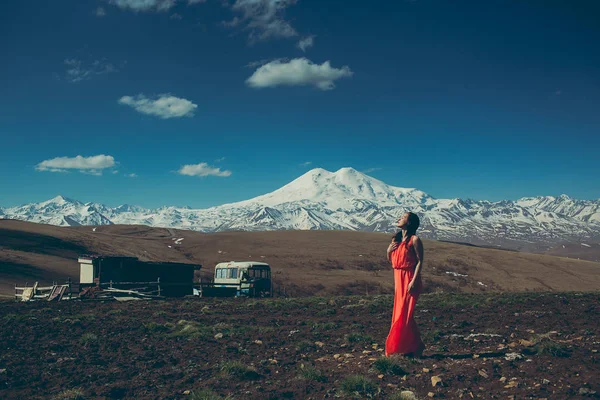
point(304, 346)
point(324, 326)
point(9, 318)
point(543, 344)
point(359, 338)
point(235, 369)
point(403, 395)
point(207, 394)
point(326, 312)
point(310, 373)
point(388, 365)
point(71, 394)
point(88, 339)
point(153, 327)
point(359, 386)
point(191, 330)
point(552, 348)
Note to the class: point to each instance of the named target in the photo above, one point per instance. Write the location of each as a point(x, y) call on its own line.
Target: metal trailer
point(128, 273)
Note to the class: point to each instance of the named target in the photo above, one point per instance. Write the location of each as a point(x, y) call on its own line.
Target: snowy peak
point(337, 190)
point(58, 201)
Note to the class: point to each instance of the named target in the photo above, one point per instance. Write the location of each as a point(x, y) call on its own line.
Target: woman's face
point(403, 221)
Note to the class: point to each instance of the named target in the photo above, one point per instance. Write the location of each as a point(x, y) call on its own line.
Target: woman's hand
point(393, 246)
point(412, 287)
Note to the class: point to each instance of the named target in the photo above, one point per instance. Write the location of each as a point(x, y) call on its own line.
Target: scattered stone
point(320, 344)
point(321, 359)
point(435, 380)
point(186, 392)
point(475, 355)
point(430, 394)
point(483, 373)
point(503, 379)
point(583, 391)
point(273, 361)
point(219, 336)
point(380, 376)
point(513, 356)
point(348, 355)
point(545, 381)
point(511, 384)
point(526, 343)
point(3, 371)
point(407, 395)
point(425, 369)
point(258, 341)
point(336, 356)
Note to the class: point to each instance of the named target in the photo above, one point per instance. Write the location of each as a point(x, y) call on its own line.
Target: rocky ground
point(488, 346)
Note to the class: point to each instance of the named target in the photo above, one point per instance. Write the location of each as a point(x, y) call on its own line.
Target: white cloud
point(165, 106)
point(144, 5)
point(78, 70)
point(306, 164)
point(220, 159)
point(263, 18)
point(100, 12)
point(202, 169)
point(306, 43)
point(176, 16)
point(297, 72)
point(89, 165)
point(368, 170)
point(115, 171)
point(131, 175)
point(150, 5)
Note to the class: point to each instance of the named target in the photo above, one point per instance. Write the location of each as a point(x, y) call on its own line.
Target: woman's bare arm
point(418, 246)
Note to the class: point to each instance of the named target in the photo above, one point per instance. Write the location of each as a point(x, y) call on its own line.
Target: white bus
point(239, 278)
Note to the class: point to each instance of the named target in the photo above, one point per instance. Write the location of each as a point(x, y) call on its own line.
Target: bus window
point(232, 273)
point(219, 273)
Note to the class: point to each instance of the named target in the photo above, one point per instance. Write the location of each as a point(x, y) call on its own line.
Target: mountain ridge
point(348, 200)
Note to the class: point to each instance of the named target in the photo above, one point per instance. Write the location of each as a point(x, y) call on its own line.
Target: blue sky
point(473, 99)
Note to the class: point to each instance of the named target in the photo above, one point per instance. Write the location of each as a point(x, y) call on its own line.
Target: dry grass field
point(304, 262)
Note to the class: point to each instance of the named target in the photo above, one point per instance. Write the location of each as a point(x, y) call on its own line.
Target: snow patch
point(585, 244)
point(455, 274)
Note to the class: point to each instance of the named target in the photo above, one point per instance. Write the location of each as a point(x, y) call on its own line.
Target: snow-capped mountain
point(349, 200)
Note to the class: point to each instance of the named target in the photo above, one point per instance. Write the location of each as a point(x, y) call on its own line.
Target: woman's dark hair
point(411, 229)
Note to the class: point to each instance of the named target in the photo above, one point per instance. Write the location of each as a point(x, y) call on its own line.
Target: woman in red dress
point(406, 255)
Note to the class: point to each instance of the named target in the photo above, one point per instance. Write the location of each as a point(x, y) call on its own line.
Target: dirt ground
point(487, 346)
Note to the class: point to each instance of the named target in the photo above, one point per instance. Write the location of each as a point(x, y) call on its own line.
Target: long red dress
point(404, 335)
